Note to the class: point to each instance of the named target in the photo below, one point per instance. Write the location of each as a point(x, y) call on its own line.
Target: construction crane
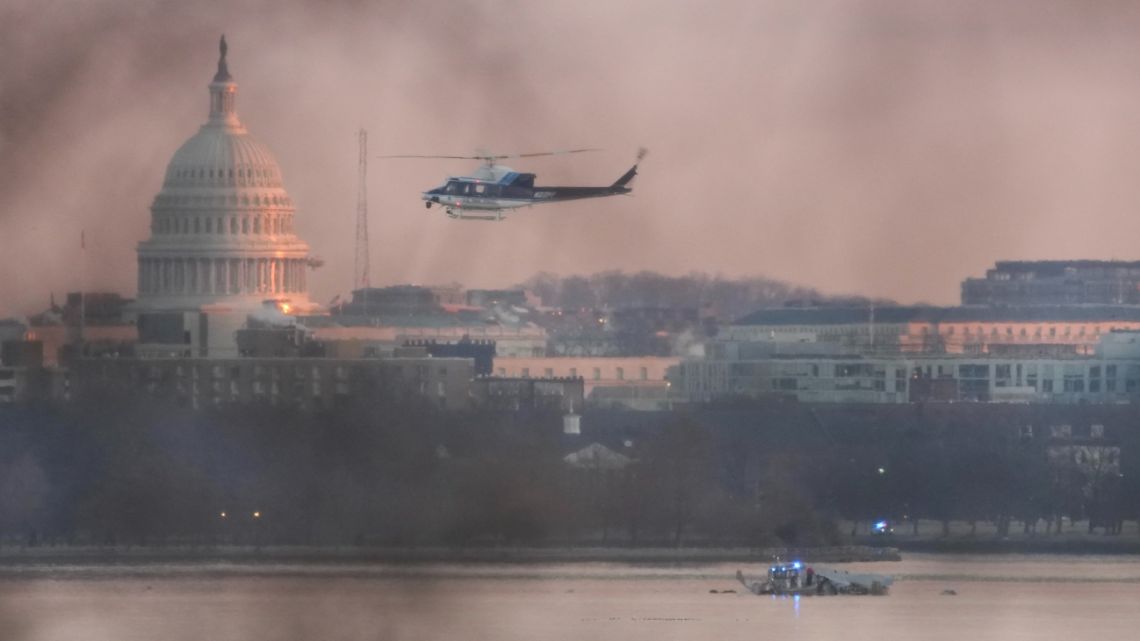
point(361, 279)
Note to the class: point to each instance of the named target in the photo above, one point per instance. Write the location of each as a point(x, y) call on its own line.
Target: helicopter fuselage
point(495, 189)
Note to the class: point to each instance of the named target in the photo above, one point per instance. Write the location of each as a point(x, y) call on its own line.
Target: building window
point(597, 373)
point(526, 372)
point(548, 372)
point(620, 374)
point(644, 373)
point(573, 372)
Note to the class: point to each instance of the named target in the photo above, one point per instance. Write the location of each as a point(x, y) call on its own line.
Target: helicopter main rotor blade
point(445, 157)
point(493, 157)
point(551, 153)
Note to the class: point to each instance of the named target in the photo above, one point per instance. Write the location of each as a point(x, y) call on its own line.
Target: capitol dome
point(222, 156)
point(222, 225)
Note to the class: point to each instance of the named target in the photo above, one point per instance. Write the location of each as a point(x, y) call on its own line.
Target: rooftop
point(924, 314)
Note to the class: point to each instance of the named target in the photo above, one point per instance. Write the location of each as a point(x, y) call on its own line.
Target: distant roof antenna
point(361, 279)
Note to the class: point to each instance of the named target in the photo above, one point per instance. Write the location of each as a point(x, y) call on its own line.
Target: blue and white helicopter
point(494, 188)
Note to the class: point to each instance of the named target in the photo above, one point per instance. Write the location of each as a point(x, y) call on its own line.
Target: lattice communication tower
point(360, 278)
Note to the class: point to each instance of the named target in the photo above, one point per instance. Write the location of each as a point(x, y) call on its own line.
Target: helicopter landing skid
point(459, 215)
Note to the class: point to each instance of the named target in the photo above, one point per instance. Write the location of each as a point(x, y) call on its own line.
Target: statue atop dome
point(223, 74)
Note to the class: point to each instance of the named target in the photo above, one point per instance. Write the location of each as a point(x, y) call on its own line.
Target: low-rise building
point(505, 393)
point(901, 378)
point(304, 383)
point(23, 376)
point(633, 382)
point(1044, 331)
point(1056, 282)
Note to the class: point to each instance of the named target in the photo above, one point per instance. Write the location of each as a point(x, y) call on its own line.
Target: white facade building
point(222, 241)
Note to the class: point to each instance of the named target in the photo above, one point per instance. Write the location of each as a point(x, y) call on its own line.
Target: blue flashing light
point(796, 565)
point(881, 525)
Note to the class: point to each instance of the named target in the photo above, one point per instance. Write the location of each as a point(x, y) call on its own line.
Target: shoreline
point(1040, 545)
point(136, 555)
point(14, 557)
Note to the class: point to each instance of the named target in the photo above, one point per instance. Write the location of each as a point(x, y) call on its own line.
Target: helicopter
point(494, 188)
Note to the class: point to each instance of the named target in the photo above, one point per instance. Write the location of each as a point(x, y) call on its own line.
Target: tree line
point(729, 298)
point(119, 468)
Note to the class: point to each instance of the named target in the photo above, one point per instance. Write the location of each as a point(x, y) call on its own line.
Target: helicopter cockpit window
point(453, 187)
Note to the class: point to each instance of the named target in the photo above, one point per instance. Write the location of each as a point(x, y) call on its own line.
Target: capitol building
point(222, 243)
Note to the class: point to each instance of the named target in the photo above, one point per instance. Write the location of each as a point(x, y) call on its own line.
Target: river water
point(998, 597)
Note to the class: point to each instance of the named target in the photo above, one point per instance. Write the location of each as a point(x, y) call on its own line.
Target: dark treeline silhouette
point(118, 468)
point(729, 298)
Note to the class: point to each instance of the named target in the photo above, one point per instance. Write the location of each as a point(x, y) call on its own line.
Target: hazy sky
point(882, 147)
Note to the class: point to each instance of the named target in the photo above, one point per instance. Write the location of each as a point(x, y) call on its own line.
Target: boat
point(794, 578)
